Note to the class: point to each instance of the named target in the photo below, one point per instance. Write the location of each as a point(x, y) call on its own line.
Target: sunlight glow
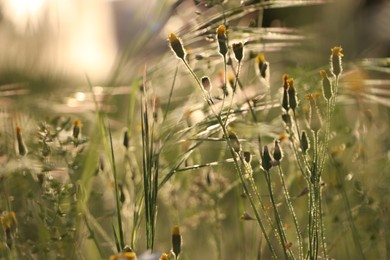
point(24, 11)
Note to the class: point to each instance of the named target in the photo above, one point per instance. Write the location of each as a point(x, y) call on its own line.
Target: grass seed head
point(176, 46)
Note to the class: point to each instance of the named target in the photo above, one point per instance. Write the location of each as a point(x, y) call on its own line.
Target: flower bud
point(234, 141)
point(305, 143)
point(285, 81)
point(76, 128)
point(262, 65)
point(176, 46)
point(285, 100)
point(238, 50)
point(267, 160)
point(335, 61)
point(222, 39)
point(326, 85)
point(278, 153)
point(126, 139)
point(292, 99)
point(22, 149)
point(176, 240)
point(286, 119)
point(247, 157)
point(315, 119)
point(246, 216)
point(206, 83)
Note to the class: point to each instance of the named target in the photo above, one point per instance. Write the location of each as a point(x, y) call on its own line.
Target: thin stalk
point(292, 212)
point(117, 199)
point(171, 93)
point(279, 224)
point(233, 153)
point(254, 188)
point(92, 235)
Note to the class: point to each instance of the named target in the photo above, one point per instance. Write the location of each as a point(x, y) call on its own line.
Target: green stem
point(292, 212)
point(279, 223)
point(233, 153)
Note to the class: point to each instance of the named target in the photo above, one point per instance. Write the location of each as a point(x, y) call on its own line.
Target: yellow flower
point(221, 29)
point(336, 51)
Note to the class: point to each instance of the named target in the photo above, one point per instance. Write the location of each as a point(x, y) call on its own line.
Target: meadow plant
point(311, 165)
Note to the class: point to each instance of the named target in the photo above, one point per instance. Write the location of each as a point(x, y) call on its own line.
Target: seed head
point(222, 39)
point(176, 46)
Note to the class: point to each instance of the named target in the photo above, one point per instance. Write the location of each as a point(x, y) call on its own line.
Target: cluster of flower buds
point(289, 100)
point(267, 161)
